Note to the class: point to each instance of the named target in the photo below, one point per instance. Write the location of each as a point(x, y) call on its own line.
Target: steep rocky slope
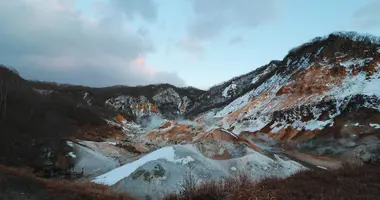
point(323, 97)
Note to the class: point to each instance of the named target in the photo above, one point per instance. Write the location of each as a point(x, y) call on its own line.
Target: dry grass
point(20, 184)
point(346, 183)
point(341, 184)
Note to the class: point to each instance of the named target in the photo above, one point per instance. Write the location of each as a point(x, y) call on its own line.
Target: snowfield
point(114, 176)
point(176, 160)
point(231, 87)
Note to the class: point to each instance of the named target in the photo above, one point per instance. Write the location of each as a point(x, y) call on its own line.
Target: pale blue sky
point(205, 42)
point(298, 22)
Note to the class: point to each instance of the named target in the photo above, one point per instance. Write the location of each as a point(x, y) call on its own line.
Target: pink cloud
point(139, 64)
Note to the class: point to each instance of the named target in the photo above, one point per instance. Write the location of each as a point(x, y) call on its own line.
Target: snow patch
point(164, 130)
point(319, 51)
point(312, 124)
point(71, 154)
point(112, 143)
point(254, 80)
point(114, 176)
point(252, 126)
point(236, 104)
point(184, 160)
point(43, 91)
point(228, 89)
point(71, 144)
point(354, 62)
point(354, 85)
point(375, 126)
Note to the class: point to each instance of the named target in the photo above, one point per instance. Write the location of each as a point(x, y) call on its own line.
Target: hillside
point(37, 118)
point(323, 97)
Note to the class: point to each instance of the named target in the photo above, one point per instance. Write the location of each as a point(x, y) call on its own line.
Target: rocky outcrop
point(166, 102)
point(134, 106)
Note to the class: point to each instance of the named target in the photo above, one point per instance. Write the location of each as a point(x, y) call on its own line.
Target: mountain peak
point(336, 42)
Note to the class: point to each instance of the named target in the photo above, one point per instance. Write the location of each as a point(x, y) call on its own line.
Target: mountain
point(318, 108)
point(131, 102)
point(323, 97)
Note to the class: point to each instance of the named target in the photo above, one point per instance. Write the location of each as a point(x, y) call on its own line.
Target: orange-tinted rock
point(119, 118)
point(218, 134)
point(166, 125)
point(283, 90)
point(154, 109)
point(370, 68)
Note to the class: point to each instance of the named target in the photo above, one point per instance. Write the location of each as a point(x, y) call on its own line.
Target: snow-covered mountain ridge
point(320, 90)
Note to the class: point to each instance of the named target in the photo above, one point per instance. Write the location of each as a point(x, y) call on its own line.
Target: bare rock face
point(169, 99)
point(166, 102)
point(136, 106)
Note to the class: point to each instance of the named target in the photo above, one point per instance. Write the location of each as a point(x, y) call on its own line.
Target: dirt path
point(314, 161)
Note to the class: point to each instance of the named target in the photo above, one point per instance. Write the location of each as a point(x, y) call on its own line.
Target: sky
point(196, 43)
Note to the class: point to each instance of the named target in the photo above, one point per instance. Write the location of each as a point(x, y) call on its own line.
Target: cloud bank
point(51, 40)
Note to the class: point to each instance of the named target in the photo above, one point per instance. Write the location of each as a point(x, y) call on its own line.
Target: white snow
point(114, 176)
point(356, 124)
point(312, 124)
point(299, 125)
point(352, 62)
point(253, 126)
point(353, 85)
point(43, 91)
point(233, 168)
point(236, 104)
point(319, 51)
point(70, 143)
point(184, 160)
point(322, 167)
point(376, 126)
point(254, 80)
point(378, 49)
point(71, 154)
point(227, 89)
point(112, 123)
point(164, 130)
point(277, 129)
point(112, 143)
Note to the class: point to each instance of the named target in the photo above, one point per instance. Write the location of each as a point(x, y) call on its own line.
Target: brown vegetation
point(19, 184)
point(98, 132)
point(347, 183)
